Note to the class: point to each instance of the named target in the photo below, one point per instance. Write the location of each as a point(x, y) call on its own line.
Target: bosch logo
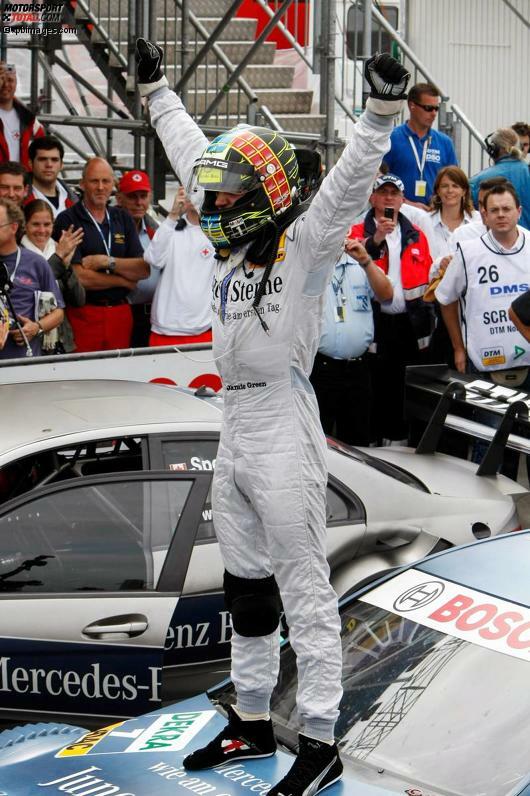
point(419, 596)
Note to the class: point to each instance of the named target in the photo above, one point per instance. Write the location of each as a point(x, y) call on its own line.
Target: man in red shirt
point(18, 126)
point(403, 326)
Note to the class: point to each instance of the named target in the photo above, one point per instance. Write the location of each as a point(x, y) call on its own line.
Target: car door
point(90, 574)
point(197, 652)
point(197, 649)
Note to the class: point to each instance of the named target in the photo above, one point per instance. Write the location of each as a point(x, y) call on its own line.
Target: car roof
point(498, 566)
point(36, 411)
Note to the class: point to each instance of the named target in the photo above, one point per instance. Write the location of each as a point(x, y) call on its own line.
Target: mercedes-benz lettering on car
point(110, 574)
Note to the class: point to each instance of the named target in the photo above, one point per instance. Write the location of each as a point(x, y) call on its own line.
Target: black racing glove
point(148, 58)
point(388, 80)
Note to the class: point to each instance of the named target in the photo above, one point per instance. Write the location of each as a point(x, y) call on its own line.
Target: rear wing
point(445, 398)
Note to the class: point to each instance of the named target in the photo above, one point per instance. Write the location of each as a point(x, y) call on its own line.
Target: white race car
point(110, 574)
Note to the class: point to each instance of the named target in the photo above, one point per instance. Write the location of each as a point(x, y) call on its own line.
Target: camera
point(388, 212)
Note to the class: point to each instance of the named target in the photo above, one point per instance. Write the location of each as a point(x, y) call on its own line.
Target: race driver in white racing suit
point(275, 259)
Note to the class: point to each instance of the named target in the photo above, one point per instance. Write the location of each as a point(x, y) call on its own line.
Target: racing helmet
point(256, 162)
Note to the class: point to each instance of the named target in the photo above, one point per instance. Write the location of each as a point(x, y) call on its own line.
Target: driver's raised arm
point(182, 138)
point(345, 190)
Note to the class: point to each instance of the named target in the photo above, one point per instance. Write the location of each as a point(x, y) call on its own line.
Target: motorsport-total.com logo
point(43, 18)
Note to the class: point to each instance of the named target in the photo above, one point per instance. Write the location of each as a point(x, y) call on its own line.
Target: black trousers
point(141, 325)
point(396, 348)
point(344, 393)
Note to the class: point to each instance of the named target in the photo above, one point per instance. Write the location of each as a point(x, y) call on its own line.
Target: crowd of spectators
point(425, 218)
point(93, 270)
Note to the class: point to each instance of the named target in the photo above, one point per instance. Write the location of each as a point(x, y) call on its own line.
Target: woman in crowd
point(451, 206)
point(39, 227)
point(503, 147)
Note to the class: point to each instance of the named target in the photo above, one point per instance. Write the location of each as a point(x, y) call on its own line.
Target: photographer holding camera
point(403, 327)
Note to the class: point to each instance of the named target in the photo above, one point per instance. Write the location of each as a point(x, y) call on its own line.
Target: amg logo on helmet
point(220, 164)
point(502, 290)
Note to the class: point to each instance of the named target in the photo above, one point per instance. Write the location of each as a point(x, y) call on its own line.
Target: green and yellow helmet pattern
point(259, 164)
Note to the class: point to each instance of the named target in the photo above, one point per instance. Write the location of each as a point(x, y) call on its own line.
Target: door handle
point(130, 625)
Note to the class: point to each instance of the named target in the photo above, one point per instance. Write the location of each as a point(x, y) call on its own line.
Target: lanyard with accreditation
point(420, 187)
point(106, 243)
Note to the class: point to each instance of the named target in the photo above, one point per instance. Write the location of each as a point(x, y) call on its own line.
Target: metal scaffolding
point(218, 62)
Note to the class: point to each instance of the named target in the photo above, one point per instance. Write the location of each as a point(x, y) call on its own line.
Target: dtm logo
point(418, 596)
point(507, 290)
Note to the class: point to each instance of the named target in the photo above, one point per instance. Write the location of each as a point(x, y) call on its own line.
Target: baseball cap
point(391, 179)
point(134, 181)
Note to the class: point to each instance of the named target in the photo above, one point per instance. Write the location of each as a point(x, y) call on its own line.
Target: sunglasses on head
point(428, 108)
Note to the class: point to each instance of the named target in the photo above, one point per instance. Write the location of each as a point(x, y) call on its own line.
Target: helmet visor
point(213, 174)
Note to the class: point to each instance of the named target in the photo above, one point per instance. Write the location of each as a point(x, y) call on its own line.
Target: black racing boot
point(239, 739)
point(317, 766)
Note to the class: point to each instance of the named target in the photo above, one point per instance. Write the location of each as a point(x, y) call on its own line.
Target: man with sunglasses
point(418, 152)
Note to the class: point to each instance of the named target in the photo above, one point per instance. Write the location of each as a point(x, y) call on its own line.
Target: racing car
point(436, 700)
point(110, 574)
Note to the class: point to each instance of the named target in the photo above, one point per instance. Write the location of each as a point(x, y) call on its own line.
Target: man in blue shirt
point(417, 151)
point(341, 374)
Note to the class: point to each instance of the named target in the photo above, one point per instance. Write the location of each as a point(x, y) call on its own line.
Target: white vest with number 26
point(493, 280)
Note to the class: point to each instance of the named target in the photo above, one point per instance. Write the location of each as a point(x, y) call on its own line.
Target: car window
point(422, 706)
point(110, 536)
point(116, 455)
point(182, 454)
point(342, 506)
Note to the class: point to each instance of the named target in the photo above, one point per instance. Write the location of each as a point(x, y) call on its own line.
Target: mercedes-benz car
point(436, 700)
point(110, 574)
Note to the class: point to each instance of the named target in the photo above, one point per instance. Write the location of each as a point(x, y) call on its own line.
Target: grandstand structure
point(291, 65)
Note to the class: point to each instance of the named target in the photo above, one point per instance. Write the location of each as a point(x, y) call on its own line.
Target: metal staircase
point(182, 27)
point(225, 71)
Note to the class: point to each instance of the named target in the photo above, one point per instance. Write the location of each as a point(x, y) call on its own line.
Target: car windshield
point(423, 708)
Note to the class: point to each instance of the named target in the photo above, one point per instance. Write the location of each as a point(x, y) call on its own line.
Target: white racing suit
point(269, 491)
